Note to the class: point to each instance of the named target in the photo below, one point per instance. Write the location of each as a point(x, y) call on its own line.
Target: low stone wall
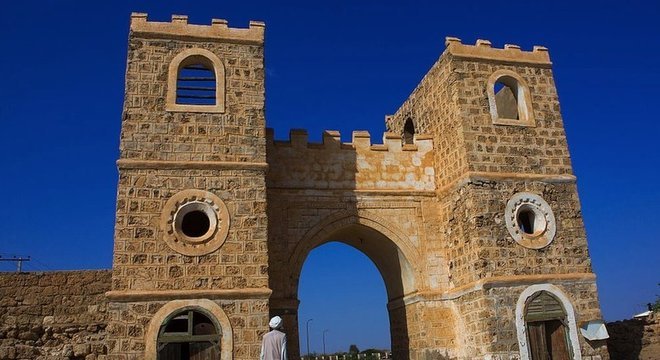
point(54, 315)
point(635, 339)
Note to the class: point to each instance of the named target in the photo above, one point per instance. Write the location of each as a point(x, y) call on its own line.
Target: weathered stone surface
point(635, 338)
point(39, 323)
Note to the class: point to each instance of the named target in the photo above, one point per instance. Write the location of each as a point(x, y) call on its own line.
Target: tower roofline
point(179, 28)
point(482, 50)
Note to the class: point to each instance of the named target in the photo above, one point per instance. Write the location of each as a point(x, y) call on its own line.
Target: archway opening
point(506, 98)
point(353, 282)
point(341, 289)
point(408, 132)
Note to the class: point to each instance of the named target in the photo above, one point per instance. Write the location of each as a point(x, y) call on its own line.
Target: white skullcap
point(275, 322)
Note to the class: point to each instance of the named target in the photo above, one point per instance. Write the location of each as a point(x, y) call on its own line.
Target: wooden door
point(537, 345)
point(547, 340)
point(556, 339)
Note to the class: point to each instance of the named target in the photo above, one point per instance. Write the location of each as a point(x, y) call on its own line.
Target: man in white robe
point(273, 346)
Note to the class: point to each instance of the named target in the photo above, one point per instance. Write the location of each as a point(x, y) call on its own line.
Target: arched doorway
point(547, 329)
point(391, 254)
point(545, 324)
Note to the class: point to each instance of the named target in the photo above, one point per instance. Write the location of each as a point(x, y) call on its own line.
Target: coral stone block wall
point(451, 103)
point(483, 248)
point(356, 165)
point(129, 337)
point(151, 132)
point(54, 315)
point(432, 111)
point(143, 261)
point(493, 329)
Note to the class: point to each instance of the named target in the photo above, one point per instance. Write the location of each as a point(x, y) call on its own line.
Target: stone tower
point(508, 215)
point(190, 233)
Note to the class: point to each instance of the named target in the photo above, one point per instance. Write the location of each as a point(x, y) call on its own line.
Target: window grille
point(196, 85)
point(544, 307)
point(189, 335)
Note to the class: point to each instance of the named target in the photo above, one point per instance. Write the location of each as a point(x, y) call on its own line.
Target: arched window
point(408, 132)
point(189, 334)
point(509, 99)
point(506, 98)
point(196, 82)
point(547, 329)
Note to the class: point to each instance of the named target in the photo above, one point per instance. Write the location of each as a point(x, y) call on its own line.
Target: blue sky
point(330, 65)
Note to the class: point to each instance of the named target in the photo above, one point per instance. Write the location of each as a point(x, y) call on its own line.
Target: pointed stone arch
point(330, 225)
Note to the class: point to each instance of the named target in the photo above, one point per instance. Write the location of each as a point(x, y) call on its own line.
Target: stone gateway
point(468, 206)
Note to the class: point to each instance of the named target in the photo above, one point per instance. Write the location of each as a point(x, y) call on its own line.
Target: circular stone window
point(530, 220)
point(195, 222)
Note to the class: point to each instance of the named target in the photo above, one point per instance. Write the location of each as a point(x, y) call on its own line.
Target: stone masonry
point(468, 211)
point(53, 316)
point(637, 338)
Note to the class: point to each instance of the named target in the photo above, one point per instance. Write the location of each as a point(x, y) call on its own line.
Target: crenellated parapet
point(298, 138)
point(483, 49)
point(179, 27)
point(359, 164)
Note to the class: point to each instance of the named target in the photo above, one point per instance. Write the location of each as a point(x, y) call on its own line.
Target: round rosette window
point(530, 220)
point(195, 222)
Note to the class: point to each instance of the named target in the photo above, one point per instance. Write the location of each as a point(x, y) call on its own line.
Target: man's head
point(275, 323)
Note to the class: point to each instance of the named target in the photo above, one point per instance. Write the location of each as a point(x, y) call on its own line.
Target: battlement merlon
point(482, 50)
point(361, 140)
point(179, 28)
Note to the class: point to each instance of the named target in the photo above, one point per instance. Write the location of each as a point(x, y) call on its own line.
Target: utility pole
point(307, 326)
point(18, 260)
point(324, 331)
